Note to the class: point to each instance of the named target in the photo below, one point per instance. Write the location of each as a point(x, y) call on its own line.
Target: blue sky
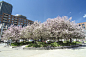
point(43, 9)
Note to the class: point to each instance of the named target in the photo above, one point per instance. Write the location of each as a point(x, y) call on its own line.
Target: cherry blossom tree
point(59, 28)
point(62, 27)
point(12, 32)
point(27, 32)
point(41, 32)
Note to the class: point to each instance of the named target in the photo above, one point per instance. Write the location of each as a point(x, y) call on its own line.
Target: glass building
point(5, 8)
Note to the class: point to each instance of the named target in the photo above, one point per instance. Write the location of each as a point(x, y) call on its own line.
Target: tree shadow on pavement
point(79, 47)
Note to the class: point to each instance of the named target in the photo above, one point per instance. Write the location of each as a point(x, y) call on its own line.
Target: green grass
point(20, 43)
point(77, 42)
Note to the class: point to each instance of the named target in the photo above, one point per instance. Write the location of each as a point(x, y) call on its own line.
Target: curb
point(50, 48)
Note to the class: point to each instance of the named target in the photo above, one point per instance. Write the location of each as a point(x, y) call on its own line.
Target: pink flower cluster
point(61, 27)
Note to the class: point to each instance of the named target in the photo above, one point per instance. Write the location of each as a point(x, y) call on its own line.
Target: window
point(9, 15)
point(84, 27)
point(0, 18)
point(21, 23)
point(19, 18)
point(24, 20)
point(4, 20)
point(15, 18)
point(83, 24)
point(27, 21)
point(24, 24)
point(8, 20)
point(12, 21)
point(18, 22)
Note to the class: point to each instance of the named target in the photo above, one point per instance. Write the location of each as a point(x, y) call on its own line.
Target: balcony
point(15, 21)
point(5, 18)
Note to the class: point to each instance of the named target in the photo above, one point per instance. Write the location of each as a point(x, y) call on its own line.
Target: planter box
point(34, 48)
point(50, 48)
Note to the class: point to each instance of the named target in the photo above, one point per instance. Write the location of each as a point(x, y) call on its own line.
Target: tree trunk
point(41, 39)
point(23, 40)
point(35, 41)
point(16, 41)
point(10, 41)
point(58, 39)
point(70, 40)
point(76, 39)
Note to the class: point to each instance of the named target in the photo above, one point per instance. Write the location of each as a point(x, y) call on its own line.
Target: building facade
point(8, 20)
point(83, 25)
point(5, 8)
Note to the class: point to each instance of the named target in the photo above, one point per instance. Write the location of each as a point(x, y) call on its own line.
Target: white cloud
point(84, 16)
point(17, 14)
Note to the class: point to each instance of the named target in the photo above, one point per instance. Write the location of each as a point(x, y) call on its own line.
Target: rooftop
point(5, 2)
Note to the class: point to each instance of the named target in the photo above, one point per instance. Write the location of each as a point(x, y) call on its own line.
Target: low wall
point(49, 48)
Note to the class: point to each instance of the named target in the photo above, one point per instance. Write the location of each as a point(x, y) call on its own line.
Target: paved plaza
point(13, 52)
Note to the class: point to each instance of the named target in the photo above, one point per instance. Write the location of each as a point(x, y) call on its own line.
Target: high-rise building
point(5, 8)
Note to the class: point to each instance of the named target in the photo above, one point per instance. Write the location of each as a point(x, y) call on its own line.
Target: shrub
point(45, 45)
point(54, 44)
point(30, 45)
point(60, 42)
point(77, 42)
point(36, 45)
point(15, 44)
point(33, 45)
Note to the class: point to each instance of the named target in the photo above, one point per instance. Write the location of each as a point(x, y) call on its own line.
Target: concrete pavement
point(72, 52)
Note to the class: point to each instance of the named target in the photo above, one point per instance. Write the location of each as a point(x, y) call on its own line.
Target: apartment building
point(8, 19)
point(83, 25)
